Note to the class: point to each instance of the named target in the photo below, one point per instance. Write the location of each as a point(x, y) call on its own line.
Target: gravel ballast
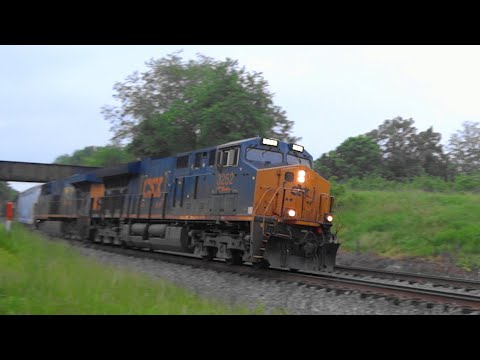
point(443, 266)
point(272, 297)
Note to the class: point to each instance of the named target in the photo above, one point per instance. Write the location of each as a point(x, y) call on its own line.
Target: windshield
point(296, 160)
point(266, 157)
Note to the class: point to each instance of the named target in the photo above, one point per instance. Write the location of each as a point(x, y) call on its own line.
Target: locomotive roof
point(232, 143)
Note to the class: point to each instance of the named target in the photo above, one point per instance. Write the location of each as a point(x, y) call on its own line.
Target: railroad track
point(378, 283)
point(412, 278)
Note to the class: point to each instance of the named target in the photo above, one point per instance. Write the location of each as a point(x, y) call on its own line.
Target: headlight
point(329, 218)
point(301, 176)
point(291, 212)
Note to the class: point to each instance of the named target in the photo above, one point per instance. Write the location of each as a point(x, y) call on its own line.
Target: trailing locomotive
point(255, 200)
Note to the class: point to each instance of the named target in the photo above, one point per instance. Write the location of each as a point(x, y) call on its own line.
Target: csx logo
point(298, 190)
point(152, 187)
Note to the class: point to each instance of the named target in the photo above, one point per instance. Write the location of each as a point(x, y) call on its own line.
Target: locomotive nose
point(305, 196)
point(296, 201)
point(295, 194)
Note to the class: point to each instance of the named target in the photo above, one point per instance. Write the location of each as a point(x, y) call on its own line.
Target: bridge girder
point(38, 172)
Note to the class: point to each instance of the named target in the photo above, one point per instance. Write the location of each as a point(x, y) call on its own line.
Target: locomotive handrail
point(67, 207)
point(259, 201)
point(278, 188)
point(265, 213)
point(320, 205)
point(271, 200)
point(270, 188)
point(134, 200)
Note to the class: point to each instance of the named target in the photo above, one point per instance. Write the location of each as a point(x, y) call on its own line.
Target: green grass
point(411, 223)
point(41, 277)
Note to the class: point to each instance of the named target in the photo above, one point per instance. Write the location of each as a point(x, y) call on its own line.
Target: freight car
point(24, 207)
point(255, 200)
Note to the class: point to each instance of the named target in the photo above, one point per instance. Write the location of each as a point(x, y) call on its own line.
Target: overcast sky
point(51, 96)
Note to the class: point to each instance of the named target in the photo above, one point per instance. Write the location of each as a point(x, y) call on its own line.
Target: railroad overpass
point(38, 172)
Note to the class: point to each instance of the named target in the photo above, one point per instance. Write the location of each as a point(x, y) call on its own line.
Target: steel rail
point(332, 281)
point(460, 283)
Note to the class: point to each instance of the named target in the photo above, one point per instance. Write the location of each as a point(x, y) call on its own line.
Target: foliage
point(411, 223)
point(177, 106)
point(336, 189)
point(429, 184)
point(396, 139)
point(355, 157)
point(6, 194)
point(461, 183)
point(467, 182)
point(394, 151)
point(405, 153)
point(41, 277)
point(429, 153)
point(97, 156)
point(372, 183)
point(464, 146)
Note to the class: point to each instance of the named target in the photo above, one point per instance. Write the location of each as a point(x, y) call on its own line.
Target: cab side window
point(228, 157)
point(182, 162)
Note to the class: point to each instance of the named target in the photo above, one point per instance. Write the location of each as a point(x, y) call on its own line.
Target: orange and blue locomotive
point(256, 200)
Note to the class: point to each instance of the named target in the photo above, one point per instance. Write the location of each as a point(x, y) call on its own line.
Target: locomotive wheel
point(236, 259)
point(211, 254)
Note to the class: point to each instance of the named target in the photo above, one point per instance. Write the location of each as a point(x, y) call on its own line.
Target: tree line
point(178, 105)
point(397, 151)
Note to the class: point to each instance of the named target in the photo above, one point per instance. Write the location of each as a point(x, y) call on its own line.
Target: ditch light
point(298, 148)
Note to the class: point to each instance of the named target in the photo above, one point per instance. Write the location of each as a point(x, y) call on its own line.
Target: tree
point(96, 156)
point(397, 141)
point(325, 165)
point(464, 148)
point(405, 153)
point(177, 106)
point(356, 157)
point(6, 194)
point(79, 157)
point(429, 153)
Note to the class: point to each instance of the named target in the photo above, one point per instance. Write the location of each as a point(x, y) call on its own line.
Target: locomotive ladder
point(266, 236)
point(265, 239)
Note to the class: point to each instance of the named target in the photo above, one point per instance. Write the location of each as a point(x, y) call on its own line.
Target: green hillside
point(411, 223)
